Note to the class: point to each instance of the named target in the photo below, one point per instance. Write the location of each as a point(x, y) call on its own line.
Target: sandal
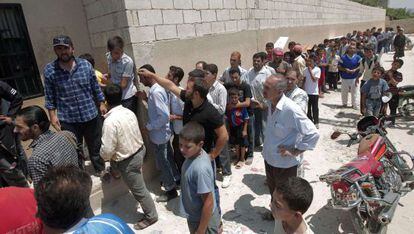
point(239, 164)
point(144, 223)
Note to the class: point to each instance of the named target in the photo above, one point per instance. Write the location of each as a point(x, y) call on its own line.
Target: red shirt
point(18, 211)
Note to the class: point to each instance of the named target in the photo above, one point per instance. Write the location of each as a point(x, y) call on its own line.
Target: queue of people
point(195, 131)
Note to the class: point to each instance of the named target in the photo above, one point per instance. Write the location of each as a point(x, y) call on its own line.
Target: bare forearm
point(206, 213)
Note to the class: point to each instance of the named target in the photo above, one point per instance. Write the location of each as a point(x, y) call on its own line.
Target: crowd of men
point(195, 132)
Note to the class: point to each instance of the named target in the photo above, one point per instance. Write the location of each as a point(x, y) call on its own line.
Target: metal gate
point(17, 61)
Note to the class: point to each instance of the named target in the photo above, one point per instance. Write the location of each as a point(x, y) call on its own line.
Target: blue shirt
point(158, 115)
point(350, 63)
point(72, 93)
point(123, 68)
point(101, 224)
point(374, 89)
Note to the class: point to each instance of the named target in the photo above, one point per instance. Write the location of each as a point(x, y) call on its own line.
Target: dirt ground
point(247, 198)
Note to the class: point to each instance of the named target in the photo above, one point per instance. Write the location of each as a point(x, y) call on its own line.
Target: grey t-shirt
point(197, 178)
point(124, 67)
point(374, 89)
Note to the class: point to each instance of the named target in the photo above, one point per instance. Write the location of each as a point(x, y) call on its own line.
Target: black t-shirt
point(206, 115)
point(244, 92)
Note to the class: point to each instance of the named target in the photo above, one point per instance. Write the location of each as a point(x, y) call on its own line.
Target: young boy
point(291, 199)
point(372, 91)
point(312, 75)
point(393, 77)
point(197, 182)
point(333, 73)
point(99, 76)
point(238, 119)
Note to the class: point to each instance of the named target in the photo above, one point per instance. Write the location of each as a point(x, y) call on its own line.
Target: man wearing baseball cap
point(280, 66)
point(71, 94)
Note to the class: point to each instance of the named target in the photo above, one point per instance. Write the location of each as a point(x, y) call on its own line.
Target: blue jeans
point(165, 163)
point(216, 189)
point(373, 107)
point(259, 124)
point(250, 133)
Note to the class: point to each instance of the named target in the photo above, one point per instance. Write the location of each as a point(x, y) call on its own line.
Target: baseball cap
point(62, 40)
point(278, 52)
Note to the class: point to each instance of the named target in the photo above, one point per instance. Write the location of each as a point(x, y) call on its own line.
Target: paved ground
point(247, 198)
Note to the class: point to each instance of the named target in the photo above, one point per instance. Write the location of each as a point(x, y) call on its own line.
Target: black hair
point(196, 73)
point(297, 193)
point(211, 68)
point(62, 196)
point(261, 55)
point(115, 42)
point(233, 91)
point(379, 68)
point(177, 72)
point(270, 44)
point(89, 58)
point(400, 61)
point(149, 67)
point(193, 132)
point(203, 63)
point(325, 41)
point(113, 94)
point(234, 70)
point(200, 86)
point(35, 115)
point(292, 43)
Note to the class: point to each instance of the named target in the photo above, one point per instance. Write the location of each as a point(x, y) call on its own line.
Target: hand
point(105, 78)
point(356, 82)
point(173, 117)
point(6, 119)
point(244, 133)
point(55, 123)
point(287, 152)
point(145, 72)
point(103, 108)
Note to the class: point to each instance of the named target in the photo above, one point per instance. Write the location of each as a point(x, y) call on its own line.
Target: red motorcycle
point(371, 185)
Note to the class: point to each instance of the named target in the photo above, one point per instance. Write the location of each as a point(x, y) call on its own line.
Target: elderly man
point(280, 66)
point(296, 94)
point(288, 133)
point(235, 61)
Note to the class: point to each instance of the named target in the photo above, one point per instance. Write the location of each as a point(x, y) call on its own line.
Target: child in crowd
point(333, 74)
point(372, 91)
point(238, 119)
point(321, 62)
point(394, 77)
point(290, 201)
point(99, 76)
point(312, 75)
point(197, 182)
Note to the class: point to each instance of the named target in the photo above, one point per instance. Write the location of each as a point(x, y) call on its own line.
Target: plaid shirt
point(50, 150)
point(72, 93)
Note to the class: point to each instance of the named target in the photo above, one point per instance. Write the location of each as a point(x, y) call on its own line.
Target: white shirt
point(280, 230)
point(300, 97)
point(311, 87)
point(121, 136)
point(256, 81)
point(288, 125)
point(226, 79)
point(123, 68)
point(217, 96)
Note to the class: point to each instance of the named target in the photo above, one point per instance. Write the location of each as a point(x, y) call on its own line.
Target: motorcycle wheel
point(366, 226)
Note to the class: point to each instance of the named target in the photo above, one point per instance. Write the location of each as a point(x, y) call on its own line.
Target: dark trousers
point(178, 156)
point(260, 117)
point(92, 132)
point(250, 133)
point(313, 109)
point(332, 79)
point(224, 157)
point(130, 103)
point(213, 224)
point(275, 175)
point(393, 104)
point(131, 173)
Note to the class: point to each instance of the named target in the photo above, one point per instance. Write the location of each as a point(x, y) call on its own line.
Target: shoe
point(226, 181)
point(267, 215)
point(115, 173)
point(317, 126)
point(144, 223)
point(249, 161)
point(167, 196)
point(355, 107)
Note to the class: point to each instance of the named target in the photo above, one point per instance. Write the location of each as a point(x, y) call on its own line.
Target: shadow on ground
point(256, 183)
point(250, 216)
point(328, 220)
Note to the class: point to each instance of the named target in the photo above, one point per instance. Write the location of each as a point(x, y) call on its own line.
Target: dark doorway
point(17, 61)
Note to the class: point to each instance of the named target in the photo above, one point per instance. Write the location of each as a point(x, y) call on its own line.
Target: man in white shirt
point(235, 61)
point(296, 94)
point(255, 77)
point(123, 146)
point(312, 75)
point(217, 96)
point(288, 133)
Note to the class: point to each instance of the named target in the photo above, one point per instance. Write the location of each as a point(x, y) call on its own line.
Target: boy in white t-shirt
point(312, 74)
point(291, 199)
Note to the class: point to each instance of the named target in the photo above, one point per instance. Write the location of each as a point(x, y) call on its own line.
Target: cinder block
point(208, 16)
point(223, 15)
point(200, 4)
point(229, 4)
point(215, 4)
point(163, 32)
point(132, 17)
point(172, 16)
point(252, 24)
point(263, 4)
point(93, 10)
point(218, 27)
point(137, 4)
point(231, 26)
point(251, 4)
point(162, 4)
point(149, 17)
point(120, 19)
point(235, 14)
point(241, 4)
point(192, 16)
point(242, 25)
point(98, 40)
point(142, 34)
point(203, 29)
point(183, 4)
point(186, 30)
